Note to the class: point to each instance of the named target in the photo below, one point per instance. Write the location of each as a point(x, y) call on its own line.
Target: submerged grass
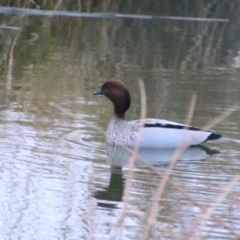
point(149, 217)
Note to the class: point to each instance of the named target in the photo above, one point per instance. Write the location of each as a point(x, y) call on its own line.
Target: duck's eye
point(108, 86)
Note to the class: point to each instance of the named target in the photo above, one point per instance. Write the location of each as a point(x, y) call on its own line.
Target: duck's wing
point(159, 133)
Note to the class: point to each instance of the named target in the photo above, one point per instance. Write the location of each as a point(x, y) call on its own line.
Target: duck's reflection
point(114, 191)
point(117, 157)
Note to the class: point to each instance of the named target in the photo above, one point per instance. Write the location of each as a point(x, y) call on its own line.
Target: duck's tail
point(213, 136)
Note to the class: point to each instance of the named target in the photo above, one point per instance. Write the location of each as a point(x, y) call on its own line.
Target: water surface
point(58, 180)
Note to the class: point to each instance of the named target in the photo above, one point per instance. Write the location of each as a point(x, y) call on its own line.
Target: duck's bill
point(99, 91)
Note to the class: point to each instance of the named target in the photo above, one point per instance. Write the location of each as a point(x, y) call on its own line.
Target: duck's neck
point(121, 103)
point(116, 120)
point(120, 115)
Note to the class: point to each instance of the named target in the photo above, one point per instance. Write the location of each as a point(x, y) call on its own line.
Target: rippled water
point(58, 180)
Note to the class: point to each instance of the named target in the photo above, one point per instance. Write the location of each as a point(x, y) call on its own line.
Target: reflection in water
point(199, 181)
point(114, 191)
point(118, 156)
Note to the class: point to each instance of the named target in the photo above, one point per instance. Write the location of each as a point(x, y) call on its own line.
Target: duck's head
point(118, 93)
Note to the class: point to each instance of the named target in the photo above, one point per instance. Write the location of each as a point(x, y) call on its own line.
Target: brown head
point(118, 93)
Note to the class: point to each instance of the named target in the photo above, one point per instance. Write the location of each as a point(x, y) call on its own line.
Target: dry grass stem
point(164, 176)
point(221, 117)
point(10, 63)
point(201, 222)
point(191, 108)
point(132, 161)
point(202, 207)
point(167, 230)
point(152, 213)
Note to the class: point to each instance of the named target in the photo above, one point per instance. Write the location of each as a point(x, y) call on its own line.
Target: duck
point(155, 133)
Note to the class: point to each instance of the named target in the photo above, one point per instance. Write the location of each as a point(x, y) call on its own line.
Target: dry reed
point(150, 216)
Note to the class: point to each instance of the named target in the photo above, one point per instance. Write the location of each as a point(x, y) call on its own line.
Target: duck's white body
point(156, 133)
